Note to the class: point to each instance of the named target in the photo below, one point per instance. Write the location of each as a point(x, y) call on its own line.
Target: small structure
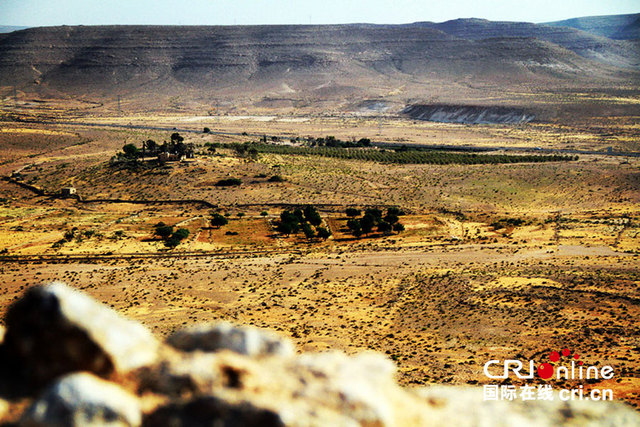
point(68, 191)
point(167, 157)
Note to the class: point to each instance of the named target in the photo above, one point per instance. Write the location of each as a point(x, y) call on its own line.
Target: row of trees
point(408, 156)
point(306, 219)
point(374, 218)
point(332, 141)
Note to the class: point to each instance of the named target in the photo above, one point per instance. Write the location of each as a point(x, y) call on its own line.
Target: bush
point(181, 233)
point(178, 236)
point(276, 178)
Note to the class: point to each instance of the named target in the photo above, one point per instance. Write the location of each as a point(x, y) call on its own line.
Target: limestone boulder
point(55, 329)
point(82, 399)
point(247, 340)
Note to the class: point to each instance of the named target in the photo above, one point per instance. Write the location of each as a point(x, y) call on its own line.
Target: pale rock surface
point(82, 399)
point(55, 329)
point(247, 340)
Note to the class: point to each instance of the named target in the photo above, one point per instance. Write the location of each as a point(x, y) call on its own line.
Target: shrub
point(276, 178)
point(181, 233)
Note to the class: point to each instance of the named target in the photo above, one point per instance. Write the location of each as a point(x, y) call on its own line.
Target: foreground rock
point(55, 329)
point(82, 399)
point(247, 340)
point(233, 376)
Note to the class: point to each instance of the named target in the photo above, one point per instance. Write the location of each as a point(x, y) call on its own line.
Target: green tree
point(355, 227)
point(130, 151)
point(181, 233)
point(164, 231)
point(288, 228)
point(397, 227)
point(353, 212)
point(312, 215)
point(178, 236)
point(391, 218)
point(176, 137)
point(395, 211)
point(374, 212)
point(218, 220)
point(366, 223)
point(323, 233)
point(308, 231)
point(384, 227)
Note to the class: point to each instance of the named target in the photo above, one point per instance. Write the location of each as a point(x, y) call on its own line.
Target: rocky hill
point(70, 361)
point(617, 27)
point(331, 67)
point(597, 47)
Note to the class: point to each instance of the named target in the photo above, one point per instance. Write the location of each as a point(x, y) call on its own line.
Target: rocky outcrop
point(226, 375)
point(55, 329)
point(467, 114)
point(82, 399)
point(246, 340)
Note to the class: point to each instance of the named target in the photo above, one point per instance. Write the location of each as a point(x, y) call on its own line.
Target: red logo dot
point(545, 371)
point(566, 352)
point(554, 356)
point(576, 356)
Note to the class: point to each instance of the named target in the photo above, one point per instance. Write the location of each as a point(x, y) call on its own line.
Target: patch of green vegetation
point(402, 156)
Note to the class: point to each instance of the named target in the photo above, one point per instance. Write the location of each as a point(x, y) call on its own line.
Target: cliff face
point(300, 65)
point(68, 360)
